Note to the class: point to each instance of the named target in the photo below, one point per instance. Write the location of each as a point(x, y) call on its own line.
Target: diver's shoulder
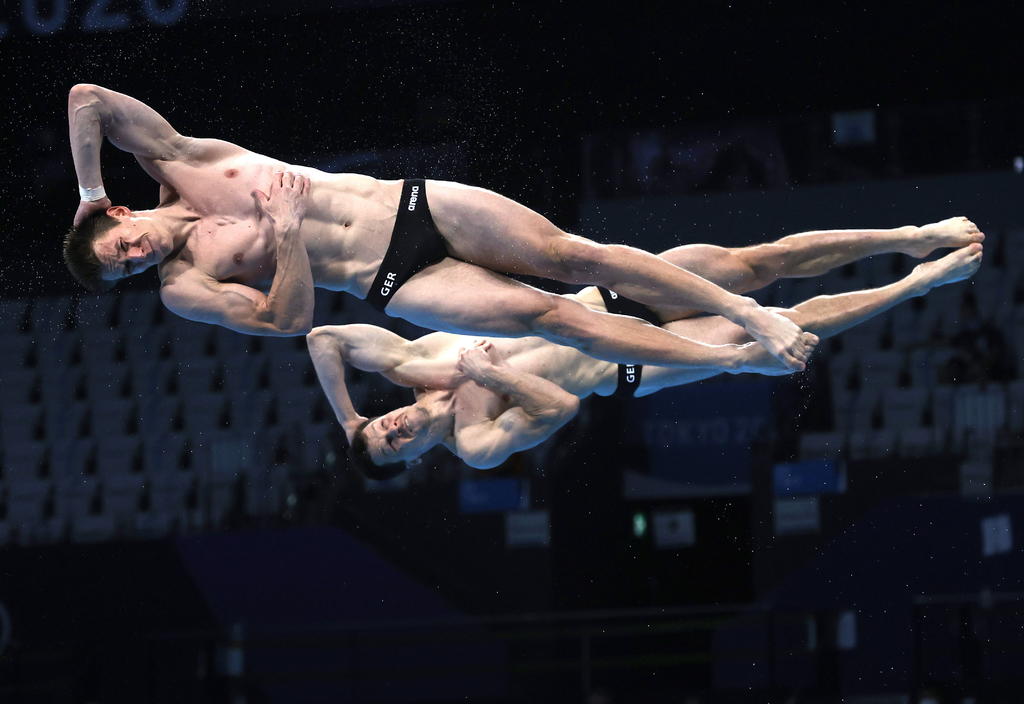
point(173, 268)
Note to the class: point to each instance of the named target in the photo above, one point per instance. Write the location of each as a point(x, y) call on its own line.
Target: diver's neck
point(440, 405)
point(173, 225)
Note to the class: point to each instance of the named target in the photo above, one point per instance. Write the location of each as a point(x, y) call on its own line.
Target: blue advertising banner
point(701, 435)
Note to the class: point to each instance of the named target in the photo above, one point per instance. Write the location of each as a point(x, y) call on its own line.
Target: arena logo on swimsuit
point(413, 197)
point(630, 373)
point(389, 281)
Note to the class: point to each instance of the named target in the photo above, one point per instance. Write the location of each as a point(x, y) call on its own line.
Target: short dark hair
point(79, 255)
point(359, 457)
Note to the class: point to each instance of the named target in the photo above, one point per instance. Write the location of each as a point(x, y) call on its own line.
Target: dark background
point(510, 95)
point(515, 86)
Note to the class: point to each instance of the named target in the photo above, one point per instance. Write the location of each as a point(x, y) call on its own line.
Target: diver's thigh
point(458, 297)
point(488, 229)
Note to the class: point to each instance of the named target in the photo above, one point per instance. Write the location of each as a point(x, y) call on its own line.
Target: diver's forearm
point(534, 394)
point(427, 372)
point(329, 364)
point(290, 300)
point(85, 129)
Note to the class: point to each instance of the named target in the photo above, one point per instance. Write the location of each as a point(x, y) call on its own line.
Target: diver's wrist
point(91, 195)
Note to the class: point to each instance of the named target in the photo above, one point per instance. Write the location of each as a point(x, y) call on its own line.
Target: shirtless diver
point(241, 240)
point(487, 399)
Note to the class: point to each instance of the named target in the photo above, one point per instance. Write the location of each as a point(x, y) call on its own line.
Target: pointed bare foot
point(951, 232)
point(757, 360)
point(780, 336)
point(955, 266)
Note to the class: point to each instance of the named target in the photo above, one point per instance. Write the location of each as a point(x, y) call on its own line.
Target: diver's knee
point(581, 260)
point(562, 321)
point(764, 261)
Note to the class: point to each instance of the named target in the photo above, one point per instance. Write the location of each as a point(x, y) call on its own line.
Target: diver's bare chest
point(229, 243)
point(232, 249)
point(476, 404)
point(224, 189)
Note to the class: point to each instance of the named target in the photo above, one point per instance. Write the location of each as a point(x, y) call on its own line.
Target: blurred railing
point(537, 656)
point(654, 654)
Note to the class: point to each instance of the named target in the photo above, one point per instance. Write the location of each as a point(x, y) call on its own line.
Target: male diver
point(241, 240)
point(487, 399)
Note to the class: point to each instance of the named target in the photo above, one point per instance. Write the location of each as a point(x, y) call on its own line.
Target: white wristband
point(92, 194)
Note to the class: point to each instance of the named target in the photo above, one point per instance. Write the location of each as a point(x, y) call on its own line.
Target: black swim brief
point(629, 374)
point(415, 244)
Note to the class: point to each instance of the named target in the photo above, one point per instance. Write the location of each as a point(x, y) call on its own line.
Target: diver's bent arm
point(198, 297)
point(366, 347)
point(541, 408)
point(95, 112)
point(130, 125)
point(537, 396)
point(326, 352)
point(488, 444)
point(287, 309)
point(403, 362)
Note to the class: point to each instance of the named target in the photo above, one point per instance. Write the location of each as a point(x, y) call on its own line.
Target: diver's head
point(110, 245)
point(359, 457)
point(382, 445)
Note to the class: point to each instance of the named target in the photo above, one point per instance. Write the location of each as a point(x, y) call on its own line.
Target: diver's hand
point(487, 346)
point(88, 207)
point(351, 425)
point(476, 361)
point(285, 207)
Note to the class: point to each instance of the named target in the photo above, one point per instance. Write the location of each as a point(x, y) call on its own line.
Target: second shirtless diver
point(486, 400)
point(240, 243)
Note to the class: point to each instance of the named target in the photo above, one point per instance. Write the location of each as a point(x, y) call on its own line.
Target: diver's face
point(128, 248)
point(401, 435)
